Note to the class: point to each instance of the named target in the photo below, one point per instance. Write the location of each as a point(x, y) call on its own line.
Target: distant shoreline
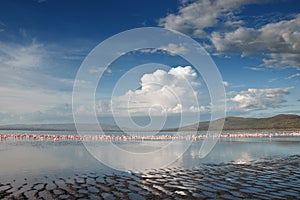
point(282, 122)
point(124, 138)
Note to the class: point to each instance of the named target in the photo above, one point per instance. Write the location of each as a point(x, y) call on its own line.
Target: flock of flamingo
point(103, 137)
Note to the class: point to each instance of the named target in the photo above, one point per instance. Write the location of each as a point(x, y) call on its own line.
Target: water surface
point(31, 158)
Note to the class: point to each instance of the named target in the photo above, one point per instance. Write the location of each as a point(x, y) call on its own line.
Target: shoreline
point(108, 138)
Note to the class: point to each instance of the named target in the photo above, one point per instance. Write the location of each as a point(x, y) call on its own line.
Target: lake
point(27, 159)
point(34, 157)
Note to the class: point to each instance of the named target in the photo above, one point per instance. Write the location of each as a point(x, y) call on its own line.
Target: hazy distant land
point(59, 127)
point(280, 122)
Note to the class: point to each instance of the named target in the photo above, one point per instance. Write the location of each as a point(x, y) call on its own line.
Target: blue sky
point(255, 45)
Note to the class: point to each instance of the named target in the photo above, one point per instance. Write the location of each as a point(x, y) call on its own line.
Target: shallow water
point(31, 158)
point(243, 150)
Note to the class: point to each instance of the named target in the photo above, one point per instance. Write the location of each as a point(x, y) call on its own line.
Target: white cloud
point(100, 70)
point(276, 41)
point(17, 100)
point(175, 49)
point(279, 40)
point(225, 83)
point(272, 80)
point(193, 18)
point(256, 68)
point(35, 81)
point(27, 93)
point(282, 60)
point(20, 65)
point(171, 48)
point(260, 99)
point(294, 76)
point(60, 113)
point(162, 92)
point(103, 107)
point(22, 56)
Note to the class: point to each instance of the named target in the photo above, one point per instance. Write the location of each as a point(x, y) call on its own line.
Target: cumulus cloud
point(218, 21)
point(162, 92)
point(260, 99)
point(195, 17)
point(282, 60)
point(279, 41)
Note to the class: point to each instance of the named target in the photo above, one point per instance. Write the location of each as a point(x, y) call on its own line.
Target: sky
point(43, 43)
